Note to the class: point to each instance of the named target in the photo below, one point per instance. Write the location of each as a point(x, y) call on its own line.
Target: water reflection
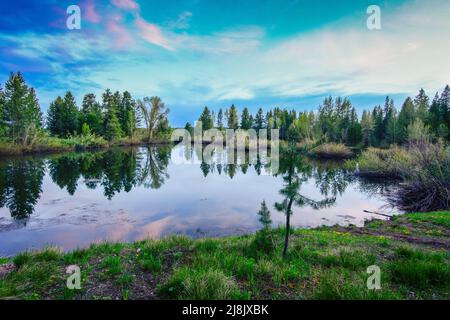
point(131, 193)
point(21, 186)
point(122, 169)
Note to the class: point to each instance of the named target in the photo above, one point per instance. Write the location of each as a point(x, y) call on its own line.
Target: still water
point(71, 200)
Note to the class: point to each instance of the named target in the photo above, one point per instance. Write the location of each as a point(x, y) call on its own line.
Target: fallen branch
point(380, 214)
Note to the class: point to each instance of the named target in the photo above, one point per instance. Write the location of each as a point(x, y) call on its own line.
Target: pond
point(71, 200)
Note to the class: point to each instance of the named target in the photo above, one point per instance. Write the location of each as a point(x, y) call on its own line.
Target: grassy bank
point(327, 263)
point(79, 143)
point(332, 151)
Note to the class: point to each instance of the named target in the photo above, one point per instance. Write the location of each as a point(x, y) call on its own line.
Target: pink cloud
point(90, 13)
point(125, 4)
point(152, 33)
point(121, 36)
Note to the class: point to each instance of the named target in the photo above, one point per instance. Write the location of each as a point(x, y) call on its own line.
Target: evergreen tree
point(435, 116)
point(232, 118)
point(54, 119)
point(377, 117)
point(422, 104)
point(63, 116)
point(22, 113)
point(405, 118)
point(206, 119)
point(91, 114)
point(127, 114)
point(259, 120)
point(246, 121)
point(390, 121)
point(367, 128)
point(220, 120)
point(70, 116)
point(264, 216)
point(354, 131)
point(111, 125)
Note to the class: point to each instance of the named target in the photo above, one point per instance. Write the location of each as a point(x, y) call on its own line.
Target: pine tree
point(220, 120)
point(232, 118)
point(405, 118)
point(264, 216)
point(206, 119)
point(127, 114)
point(435, 117)
point(112, 126)
point(259, 120)
point(377, 117)
point(367, 128)
point(63, 116)
point(422, 104)
point(54, 117)
point(246, 121)
point(21, 108)
point(92, 114)
point(70, 116)
point(390, 121)
point(354, 131)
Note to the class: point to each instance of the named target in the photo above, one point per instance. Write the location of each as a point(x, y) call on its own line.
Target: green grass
point(322, 263)
point(112, 265)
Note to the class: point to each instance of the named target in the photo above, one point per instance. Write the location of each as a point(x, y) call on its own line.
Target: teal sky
point(192, 53)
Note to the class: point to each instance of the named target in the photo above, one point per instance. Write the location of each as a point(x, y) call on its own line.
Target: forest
point(118, 116)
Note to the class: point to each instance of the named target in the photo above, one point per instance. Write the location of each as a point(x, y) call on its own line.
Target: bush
point(424, 169)
point(332, 151)
point(427, 180)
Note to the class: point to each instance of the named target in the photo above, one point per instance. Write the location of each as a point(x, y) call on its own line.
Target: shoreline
point(412, 251)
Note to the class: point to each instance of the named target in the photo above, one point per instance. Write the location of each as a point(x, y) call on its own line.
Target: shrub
point(424, 169)
point(426, 184)
point(332, 151)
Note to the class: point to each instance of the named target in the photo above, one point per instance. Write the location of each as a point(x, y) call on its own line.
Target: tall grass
point(332, 151)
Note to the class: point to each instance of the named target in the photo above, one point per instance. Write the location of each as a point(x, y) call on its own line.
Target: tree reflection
point(152, 173)
point(115, 170)
point(21, 186)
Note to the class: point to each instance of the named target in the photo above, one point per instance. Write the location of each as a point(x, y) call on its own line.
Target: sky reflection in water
point(128, 194)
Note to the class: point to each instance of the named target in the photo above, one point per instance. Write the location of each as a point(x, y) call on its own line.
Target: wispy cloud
point(126, 4)
point(182, 22)
point(152, 33)
point(128, 49)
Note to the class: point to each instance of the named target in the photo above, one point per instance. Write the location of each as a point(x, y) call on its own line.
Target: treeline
point(116, 116)
point(337, 121)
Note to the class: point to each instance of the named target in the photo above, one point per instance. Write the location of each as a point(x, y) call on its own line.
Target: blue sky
point(254, 53)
